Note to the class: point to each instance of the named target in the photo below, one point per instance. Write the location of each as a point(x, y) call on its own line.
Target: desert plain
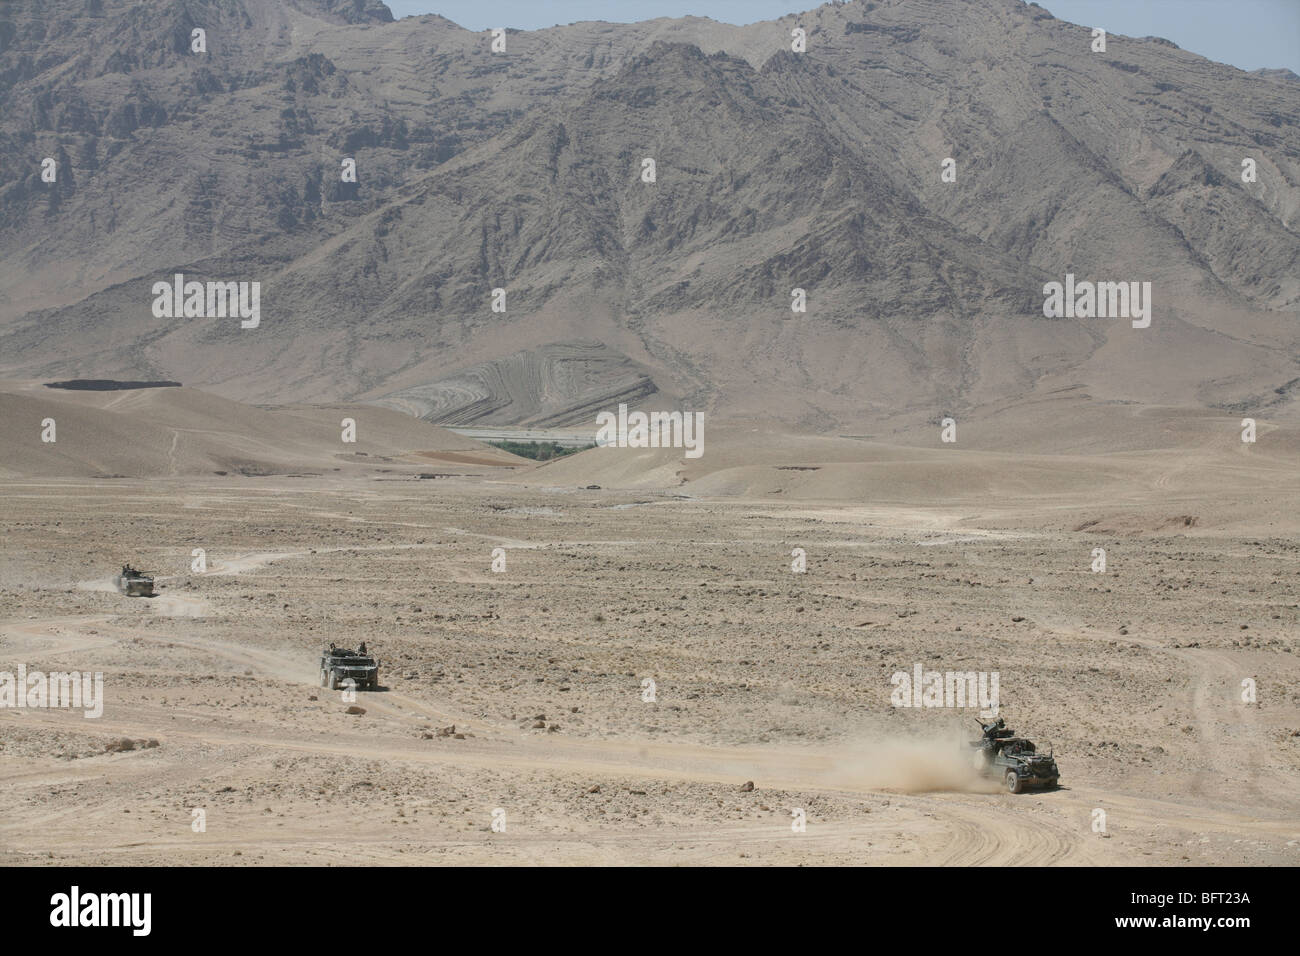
point(520, 695)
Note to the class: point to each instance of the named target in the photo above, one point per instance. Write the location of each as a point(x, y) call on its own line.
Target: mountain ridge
point(775, 170)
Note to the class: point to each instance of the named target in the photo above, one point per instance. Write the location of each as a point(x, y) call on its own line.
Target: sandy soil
point(761, 675)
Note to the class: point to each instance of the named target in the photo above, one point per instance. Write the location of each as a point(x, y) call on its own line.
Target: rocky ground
point(522, 691)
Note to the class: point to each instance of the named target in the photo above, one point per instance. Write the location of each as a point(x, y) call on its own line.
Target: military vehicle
point(133, 583)
point(1014, 760)
point(338, 665)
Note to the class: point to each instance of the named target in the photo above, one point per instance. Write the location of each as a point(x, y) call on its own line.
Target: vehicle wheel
point(324, 679)
point(334, 681)
point(1013, 782)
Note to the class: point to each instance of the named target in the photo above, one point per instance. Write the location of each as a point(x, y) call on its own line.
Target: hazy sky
point(1246, 33)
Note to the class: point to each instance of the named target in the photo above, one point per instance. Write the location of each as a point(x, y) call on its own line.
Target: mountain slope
point(521, 171)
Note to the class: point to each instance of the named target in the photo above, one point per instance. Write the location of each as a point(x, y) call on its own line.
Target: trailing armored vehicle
point(1013, 760)
point(133, 583)
point(338, 665)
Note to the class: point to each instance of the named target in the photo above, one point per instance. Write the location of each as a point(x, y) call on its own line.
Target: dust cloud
point(919, 764)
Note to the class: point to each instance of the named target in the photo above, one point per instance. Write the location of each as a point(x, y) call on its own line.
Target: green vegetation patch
point(538, 450)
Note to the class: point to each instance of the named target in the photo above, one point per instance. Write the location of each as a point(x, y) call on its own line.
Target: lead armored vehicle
point(338, 665)
point(1013, 760)
point(133, 583)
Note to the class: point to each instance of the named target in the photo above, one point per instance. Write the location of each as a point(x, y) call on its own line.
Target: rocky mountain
point(522, 171)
